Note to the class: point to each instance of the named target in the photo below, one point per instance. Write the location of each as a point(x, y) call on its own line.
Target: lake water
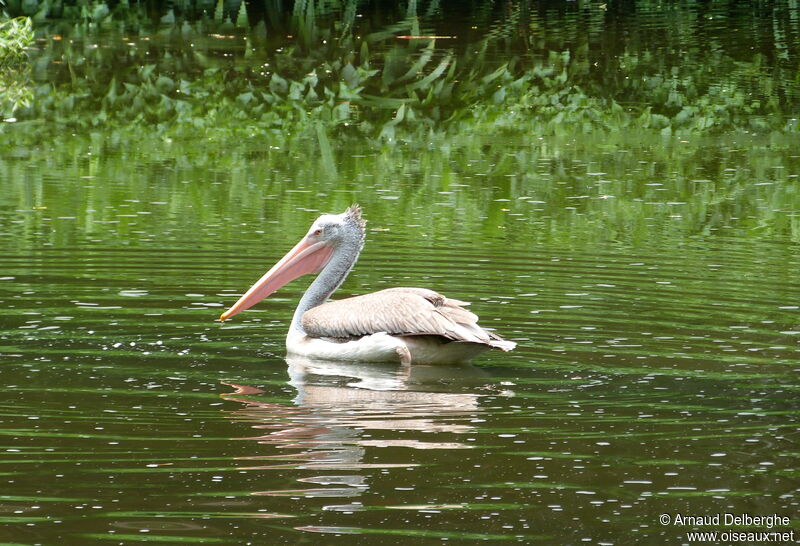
point(650, 281)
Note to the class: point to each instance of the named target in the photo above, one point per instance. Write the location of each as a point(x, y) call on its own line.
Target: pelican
point(400, 324)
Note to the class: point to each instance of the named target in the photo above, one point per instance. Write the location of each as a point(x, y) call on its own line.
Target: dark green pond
point(649, 277)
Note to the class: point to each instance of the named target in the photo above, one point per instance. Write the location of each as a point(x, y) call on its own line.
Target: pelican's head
point(328, 233)
point(338, 229)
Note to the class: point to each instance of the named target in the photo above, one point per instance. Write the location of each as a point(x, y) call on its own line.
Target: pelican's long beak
point(308, 256)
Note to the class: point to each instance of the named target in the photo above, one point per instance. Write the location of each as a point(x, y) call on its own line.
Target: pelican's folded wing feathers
point(399, 311)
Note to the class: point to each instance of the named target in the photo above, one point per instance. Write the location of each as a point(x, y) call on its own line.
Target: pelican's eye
point(317, 231)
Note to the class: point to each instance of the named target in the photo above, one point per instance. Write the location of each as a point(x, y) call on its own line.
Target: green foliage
point(16, 35)
point(227, 73)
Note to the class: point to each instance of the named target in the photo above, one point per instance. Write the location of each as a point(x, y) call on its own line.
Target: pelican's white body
point(383, 347)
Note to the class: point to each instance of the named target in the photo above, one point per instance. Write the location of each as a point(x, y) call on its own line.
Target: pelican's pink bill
point(307, 256)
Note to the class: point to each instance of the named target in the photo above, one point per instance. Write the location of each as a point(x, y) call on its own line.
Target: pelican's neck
point(326, 283)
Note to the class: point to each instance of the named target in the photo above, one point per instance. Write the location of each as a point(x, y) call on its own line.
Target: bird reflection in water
point(343, 409)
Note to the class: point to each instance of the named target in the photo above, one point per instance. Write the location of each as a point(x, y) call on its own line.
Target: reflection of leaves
point(329, 92)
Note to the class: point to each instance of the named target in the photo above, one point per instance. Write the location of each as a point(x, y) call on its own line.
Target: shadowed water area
point(643, 256)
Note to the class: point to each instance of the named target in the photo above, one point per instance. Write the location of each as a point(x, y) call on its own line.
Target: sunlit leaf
point(165, 84)
point(278, 85)
point(350, 75)
point(437, 72)
point(326, 153)
point(242, 20)
point(420, 63)
point(499, 95)
point(168, 18)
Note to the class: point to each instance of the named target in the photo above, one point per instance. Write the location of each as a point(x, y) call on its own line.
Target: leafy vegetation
point(222, 72)
point(16, 35)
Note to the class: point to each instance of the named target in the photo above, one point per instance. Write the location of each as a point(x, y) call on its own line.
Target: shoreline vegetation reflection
point(509, 109)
